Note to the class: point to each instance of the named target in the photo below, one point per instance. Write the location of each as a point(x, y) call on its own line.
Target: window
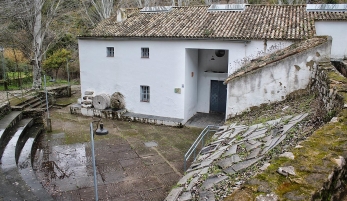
point(144, 93)
point(145, 52)
point(110, 51)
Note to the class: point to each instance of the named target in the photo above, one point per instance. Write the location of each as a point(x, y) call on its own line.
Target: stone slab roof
point(291, 22)
point(277, 56)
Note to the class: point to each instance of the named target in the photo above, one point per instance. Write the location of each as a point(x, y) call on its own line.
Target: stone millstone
point(117, 101)
point(101, 101)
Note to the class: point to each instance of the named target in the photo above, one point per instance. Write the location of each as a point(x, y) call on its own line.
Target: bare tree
point(97, 10)
point(29, 23)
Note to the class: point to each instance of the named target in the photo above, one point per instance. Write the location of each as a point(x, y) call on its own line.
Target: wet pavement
point(124, 172)
point(134, 161)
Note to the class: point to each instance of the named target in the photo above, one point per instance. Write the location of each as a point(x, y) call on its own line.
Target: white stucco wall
point(169, 66)
point(191, 83)
point(338, 31)
point(273, 82)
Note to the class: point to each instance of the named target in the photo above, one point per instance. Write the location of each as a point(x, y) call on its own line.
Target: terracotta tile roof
point(256, 22)
point(328, 15)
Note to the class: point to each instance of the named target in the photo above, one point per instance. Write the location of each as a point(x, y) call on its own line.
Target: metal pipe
point(68, 73)
point(93, 159)
point(44, 77)
point(3, 64)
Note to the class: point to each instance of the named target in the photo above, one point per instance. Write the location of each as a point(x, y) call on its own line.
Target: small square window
point(145, 52)
point(144, 93)
point(110, 51)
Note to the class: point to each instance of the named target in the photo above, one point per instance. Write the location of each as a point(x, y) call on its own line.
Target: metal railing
point(192, 149)
point(23, 94)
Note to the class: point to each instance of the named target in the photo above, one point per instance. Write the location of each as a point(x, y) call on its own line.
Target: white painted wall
point(191, 83)
point(338, 31)
point(273, 82)
point(165, 70)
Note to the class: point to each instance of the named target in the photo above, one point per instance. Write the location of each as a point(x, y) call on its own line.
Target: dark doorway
point(218, 96)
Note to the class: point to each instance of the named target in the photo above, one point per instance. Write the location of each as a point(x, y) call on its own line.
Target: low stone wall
point(63, 91)
point(36, 114)
point(5, 108)
point(341, 66)
point(327, 88)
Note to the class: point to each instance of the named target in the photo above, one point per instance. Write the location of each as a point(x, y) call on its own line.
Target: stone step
point(8, 159)
point(25, 163)
point(7, 122)
point(32, 100)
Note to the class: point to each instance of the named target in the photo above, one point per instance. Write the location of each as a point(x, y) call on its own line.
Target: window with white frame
point(110, 51)
point(144, 93)
point(144, 52)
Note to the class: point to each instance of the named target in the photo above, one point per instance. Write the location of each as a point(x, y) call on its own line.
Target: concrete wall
point(163, 71)
point(338, 31)
point(275, 81)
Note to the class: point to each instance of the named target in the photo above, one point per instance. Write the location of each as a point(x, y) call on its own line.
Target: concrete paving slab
point(232, 150)
point(215, 155)
point(256, 134)
point(174, 194)
point(245, 164)
point(250, 130)
point(254, 153)
point(192, 183)
point(226, 162)
point(185, 178)
point(210, 182)
point(273, 122)
point(201, 120)
point(204, 171)
point(206, 196)
point(252, 146)
point(151, 144)
point(185, 196)
point(229, 171)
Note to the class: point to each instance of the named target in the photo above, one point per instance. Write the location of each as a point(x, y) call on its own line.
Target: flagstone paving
point(233, 149)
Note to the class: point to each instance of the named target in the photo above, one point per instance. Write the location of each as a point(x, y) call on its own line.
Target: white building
point(172, 61)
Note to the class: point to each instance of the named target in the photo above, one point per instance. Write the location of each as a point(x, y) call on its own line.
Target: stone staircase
point(30, 103)
point(17, 178)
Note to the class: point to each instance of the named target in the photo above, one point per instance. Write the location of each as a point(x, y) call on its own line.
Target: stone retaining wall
point(5, 108)
point(36, 114)
point(326, 88)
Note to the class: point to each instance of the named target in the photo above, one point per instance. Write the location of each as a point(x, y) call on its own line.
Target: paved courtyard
point(127, 169)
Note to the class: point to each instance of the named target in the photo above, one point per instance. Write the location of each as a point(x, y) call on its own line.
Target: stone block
point(289, 155)
point(245, 164)
point(232, 150)
point(90, 93)
point(185, 178)
point(226, 162)
point(254, 153)
point(174, 194)
point(210, 182)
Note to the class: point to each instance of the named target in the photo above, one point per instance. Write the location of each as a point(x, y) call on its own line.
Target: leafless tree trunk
point(33, 19)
